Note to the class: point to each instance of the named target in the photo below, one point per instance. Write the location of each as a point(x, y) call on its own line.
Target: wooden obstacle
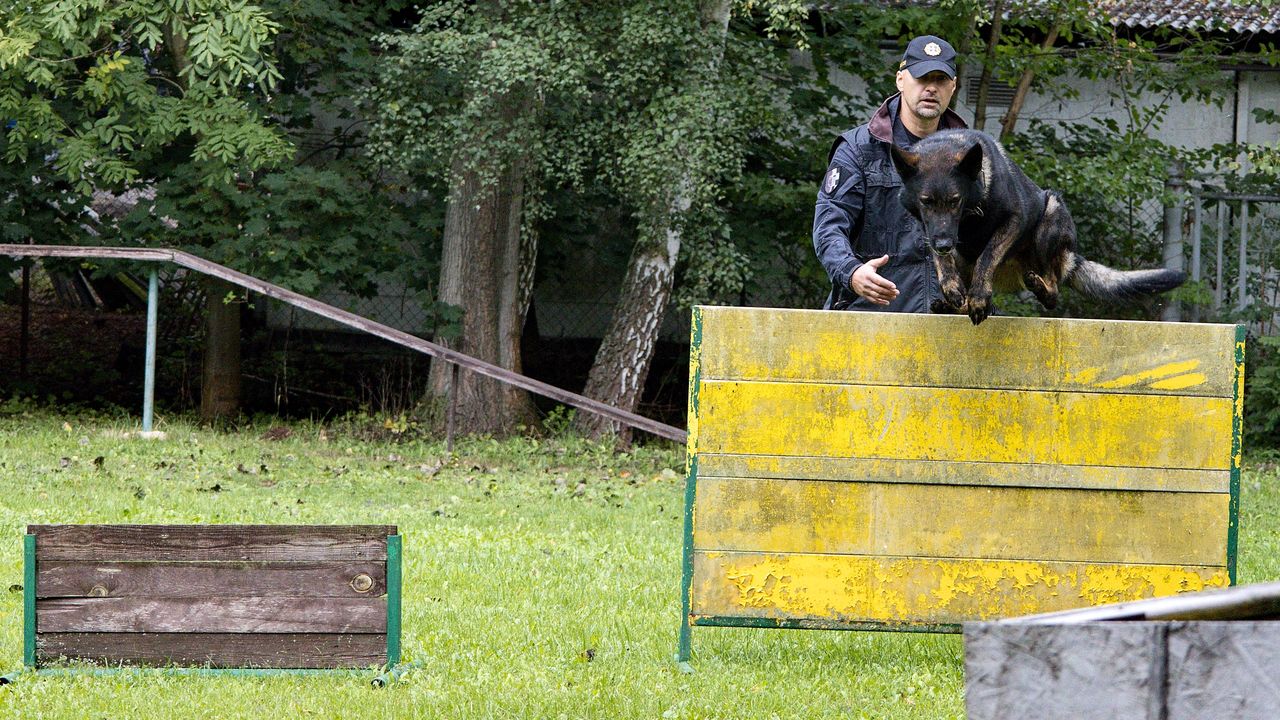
point(885, 471)
point(213, 596)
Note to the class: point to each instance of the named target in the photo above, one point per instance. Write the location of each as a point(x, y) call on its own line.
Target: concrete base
point(1173, 670)
point(152, 434)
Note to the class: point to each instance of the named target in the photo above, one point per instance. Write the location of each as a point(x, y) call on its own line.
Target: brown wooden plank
point(211, 542)
point(219, 615)
point(220, 650)
point(78, 578)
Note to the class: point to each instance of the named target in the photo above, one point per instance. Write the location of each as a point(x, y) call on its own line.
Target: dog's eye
point(955, 199)
point(926, 199)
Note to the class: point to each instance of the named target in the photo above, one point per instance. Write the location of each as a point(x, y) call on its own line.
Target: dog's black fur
point(976, 204)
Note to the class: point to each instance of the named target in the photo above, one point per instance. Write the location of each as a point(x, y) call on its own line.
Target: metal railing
point(456, 359)
point(1240, 261)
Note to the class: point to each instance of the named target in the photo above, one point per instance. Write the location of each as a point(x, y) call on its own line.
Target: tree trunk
point(481, 272)
point(984, 81)
point(220, 376)
point(622, 364)
point(1024, 86)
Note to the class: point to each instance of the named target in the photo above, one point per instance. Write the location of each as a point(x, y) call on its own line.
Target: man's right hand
point(868, 283)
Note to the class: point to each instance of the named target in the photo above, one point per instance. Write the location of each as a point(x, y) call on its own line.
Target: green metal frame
point(1237, 448)
point(29, 601)
point(391, 671)
point(393, 599)
point(688, 621)
point(685, 648)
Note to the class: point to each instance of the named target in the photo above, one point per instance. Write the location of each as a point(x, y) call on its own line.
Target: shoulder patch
point(832, 181)
point(837, 177)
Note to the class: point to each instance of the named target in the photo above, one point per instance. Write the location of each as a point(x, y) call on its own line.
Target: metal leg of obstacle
point(394, 673)
point(685, 649)
point(149, 382)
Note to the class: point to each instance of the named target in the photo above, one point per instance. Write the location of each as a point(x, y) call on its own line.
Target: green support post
point(394, 570)
point(393, 599)
point(29, 601)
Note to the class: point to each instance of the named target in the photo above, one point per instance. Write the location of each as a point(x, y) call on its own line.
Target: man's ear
point(906, 162)
point(971, 164)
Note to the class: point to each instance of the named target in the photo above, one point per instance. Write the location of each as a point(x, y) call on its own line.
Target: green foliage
point(1262, 398)
point(101, 89)
point(625, 102)
point(303, 227)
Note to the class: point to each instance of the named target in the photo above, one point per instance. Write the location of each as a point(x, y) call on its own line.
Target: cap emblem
point(932, 49)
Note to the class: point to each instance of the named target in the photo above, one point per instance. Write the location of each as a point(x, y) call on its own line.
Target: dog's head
point(941, 182)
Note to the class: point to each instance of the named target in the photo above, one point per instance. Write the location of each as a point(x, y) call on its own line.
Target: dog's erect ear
point(971, 162)
point(906, 162)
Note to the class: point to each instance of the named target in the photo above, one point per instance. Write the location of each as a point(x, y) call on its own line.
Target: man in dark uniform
point(873, 251)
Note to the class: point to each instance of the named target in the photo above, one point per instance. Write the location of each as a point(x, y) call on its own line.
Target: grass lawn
point(541, 579)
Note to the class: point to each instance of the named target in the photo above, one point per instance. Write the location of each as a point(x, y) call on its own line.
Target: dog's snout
point(943, 246)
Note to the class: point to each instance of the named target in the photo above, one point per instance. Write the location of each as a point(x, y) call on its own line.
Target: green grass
point(541, 579)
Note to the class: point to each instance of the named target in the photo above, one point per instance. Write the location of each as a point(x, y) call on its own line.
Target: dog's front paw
point(979, 308)
point(953, 295)
point(940, 306)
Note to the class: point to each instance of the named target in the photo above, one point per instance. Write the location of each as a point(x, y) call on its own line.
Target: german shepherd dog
point(975, 203)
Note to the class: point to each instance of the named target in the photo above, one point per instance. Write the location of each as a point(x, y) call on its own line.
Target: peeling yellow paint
point(845, 588)
point(1175, 368)
point(864, 518)
point(1084, 377)
point(875, 467)
point(1180, 382)
point(945, 351)
point(1238, 405)
point(965, 425)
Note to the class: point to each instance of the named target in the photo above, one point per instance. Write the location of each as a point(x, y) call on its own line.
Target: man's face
point(926, 97)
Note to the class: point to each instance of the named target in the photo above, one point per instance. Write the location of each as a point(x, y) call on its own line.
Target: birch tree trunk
point(482, 272)
point(621, 365)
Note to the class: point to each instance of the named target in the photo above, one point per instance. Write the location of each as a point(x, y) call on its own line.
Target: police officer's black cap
point(928, 53)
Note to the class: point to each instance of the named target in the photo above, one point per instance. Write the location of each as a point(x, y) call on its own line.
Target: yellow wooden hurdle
point(911, 472)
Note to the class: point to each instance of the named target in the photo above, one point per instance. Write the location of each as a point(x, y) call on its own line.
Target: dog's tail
point(1103, 283)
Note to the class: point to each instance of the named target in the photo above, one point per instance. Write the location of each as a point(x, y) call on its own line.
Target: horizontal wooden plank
point(80, 578)
point(948, 351)
point(850, 588)
point(219, 650)
point(943, 521)
point(937, 472)
point(766, 418)
point(215, 615)
point(211, 542)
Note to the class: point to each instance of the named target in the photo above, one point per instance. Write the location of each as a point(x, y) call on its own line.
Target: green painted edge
point(793, 624)
point(193, 671)
point(29, 601)
point(1237, 449)
point(685, 647)
point(393, 599)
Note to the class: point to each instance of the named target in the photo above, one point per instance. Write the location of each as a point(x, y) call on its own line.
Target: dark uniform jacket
point(858, 217)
